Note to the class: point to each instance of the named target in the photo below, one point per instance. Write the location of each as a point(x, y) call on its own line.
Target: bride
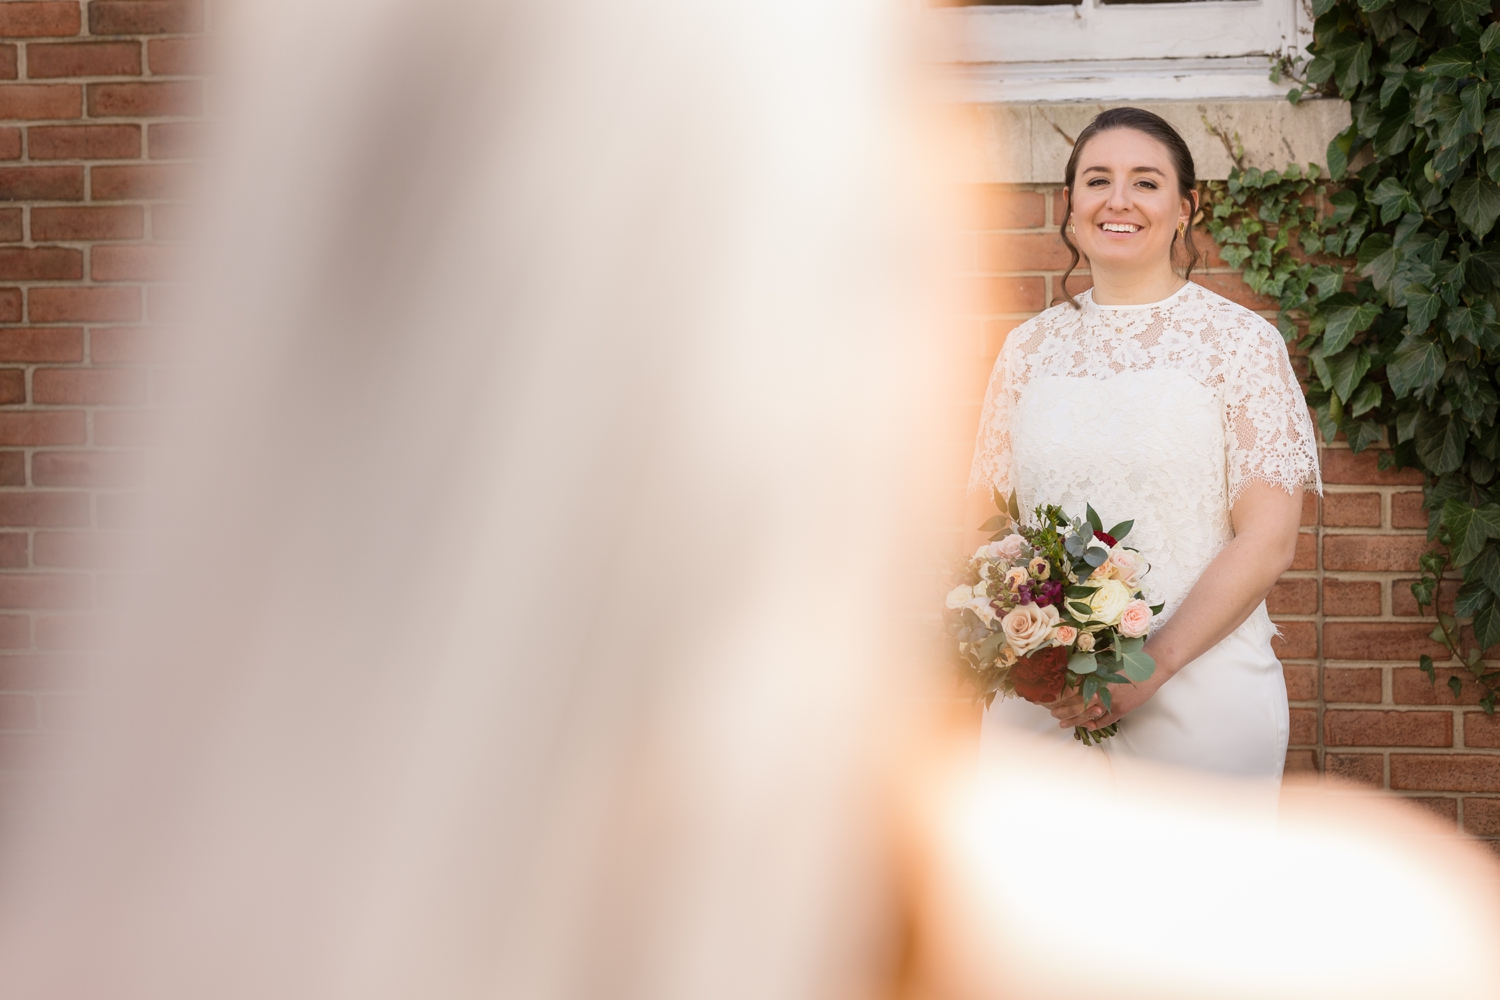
point(1153, 398)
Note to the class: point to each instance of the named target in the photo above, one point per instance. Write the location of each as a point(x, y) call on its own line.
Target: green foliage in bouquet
point(1404, 338)
point(1071, 556)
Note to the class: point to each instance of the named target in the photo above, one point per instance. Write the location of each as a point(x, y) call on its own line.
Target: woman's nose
point(1119, 196)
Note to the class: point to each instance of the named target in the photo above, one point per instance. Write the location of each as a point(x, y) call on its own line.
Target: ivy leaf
point(1346, 370)
point(1344, 321)
point(1417, 364)
point(1440, 443)
point(1486, 266)
point(1346, 201)
point(1491, 130)
point(1486, 628)
point(1377, 259)
point(1460, 11)
point(1413, 12)
point(1473, 102)
point(1421, 307)
point(1468, 322)
point(1326, 280)
point(1403, 46)
point(1366, 399)
point(1321, 7)
point(1472, 597)
point(1476, 202)
point(1487, 568)
point(1362, 434)
point(1338, 149)
point(1406, 426)
point(1455, 60)
point(1490, 38)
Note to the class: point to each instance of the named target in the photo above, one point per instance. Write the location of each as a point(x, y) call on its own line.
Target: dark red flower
point(1106, 538)
point(1040, 677)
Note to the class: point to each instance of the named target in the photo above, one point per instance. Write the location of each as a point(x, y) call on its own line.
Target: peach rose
point(1039, 568)
point(1135, 620)
point(1015, 576)
point(1085, 642)
point(1028, 627)
point(1064, 635)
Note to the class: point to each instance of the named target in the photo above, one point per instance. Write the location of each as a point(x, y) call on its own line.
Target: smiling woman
point(1208, 446)
point(1134, 195)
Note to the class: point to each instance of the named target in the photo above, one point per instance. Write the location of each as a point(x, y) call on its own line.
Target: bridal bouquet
point(1051, 607)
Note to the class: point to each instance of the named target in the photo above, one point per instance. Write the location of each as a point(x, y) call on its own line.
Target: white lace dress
point(1162, 413)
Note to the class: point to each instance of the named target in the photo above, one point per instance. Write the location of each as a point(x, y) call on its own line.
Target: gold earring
point(1071, 229)
point(1181, 228)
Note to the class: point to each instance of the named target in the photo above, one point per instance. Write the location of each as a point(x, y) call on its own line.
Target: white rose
point(1108, 601)
point(1029, 627)
point(959, 596)
point(982, 607)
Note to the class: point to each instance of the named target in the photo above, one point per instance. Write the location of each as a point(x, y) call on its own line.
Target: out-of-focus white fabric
point(528, 641)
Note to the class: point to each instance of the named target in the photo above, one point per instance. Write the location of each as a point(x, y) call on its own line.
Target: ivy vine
point(1404, 338)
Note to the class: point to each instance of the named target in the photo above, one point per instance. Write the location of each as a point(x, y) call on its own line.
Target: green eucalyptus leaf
point(1138, 665)
point(1083, 663)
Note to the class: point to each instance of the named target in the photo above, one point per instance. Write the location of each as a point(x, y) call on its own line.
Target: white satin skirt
point(1224, 713)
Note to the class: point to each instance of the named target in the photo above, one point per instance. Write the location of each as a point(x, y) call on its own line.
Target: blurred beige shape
point(533, 618)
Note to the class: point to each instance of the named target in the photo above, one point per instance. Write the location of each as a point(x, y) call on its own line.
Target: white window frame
point(1132, 51)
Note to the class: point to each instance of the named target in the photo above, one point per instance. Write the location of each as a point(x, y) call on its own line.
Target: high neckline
point(1138, 305)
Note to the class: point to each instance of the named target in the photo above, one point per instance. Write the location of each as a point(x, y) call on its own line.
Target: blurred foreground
point(572, 647)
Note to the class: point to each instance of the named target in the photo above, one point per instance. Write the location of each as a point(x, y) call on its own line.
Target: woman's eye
point(1097, 182)
point(1150, 185)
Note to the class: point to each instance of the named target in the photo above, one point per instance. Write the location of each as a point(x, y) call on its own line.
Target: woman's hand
point(1069, 710)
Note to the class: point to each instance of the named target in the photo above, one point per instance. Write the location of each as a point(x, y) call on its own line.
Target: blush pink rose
point(1064, 635)
point(1135, 620)
point(1009, 548)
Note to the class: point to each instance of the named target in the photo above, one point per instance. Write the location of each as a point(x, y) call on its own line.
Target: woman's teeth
point(1119, 227)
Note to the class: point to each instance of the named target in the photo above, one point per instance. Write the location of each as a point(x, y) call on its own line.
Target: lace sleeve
point(1266, 425)
point(992, 447)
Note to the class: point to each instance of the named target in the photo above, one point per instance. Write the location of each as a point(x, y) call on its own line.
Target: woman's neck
point(1134, 288)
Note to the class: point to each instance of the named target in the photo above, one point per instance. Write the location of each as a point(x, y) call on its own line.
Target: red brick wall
point(97, 102)
point(1360, 707)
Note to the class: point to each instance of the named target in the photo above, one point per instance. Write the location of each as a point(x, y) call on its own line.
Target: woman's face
point(1126, 208)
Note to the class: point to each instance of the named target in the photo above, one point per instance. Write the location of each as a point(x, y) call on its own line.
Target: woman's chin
point(1126, 256)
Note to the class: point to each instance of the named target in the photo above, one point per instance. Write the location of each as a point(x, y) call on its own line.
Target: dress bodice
point(1161, 413)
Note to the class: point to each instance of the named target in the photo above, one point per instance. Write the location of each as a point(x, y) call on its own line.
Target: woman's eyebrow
point(1134, 170)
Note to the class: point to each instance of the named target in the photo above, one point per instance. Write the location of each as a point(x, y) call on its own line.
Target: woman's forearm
point(1225, 595)
point(1265, 519)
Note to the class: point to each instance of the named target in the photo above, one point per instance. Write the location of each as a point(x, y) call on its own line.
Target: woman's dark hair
point(1157, 128)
